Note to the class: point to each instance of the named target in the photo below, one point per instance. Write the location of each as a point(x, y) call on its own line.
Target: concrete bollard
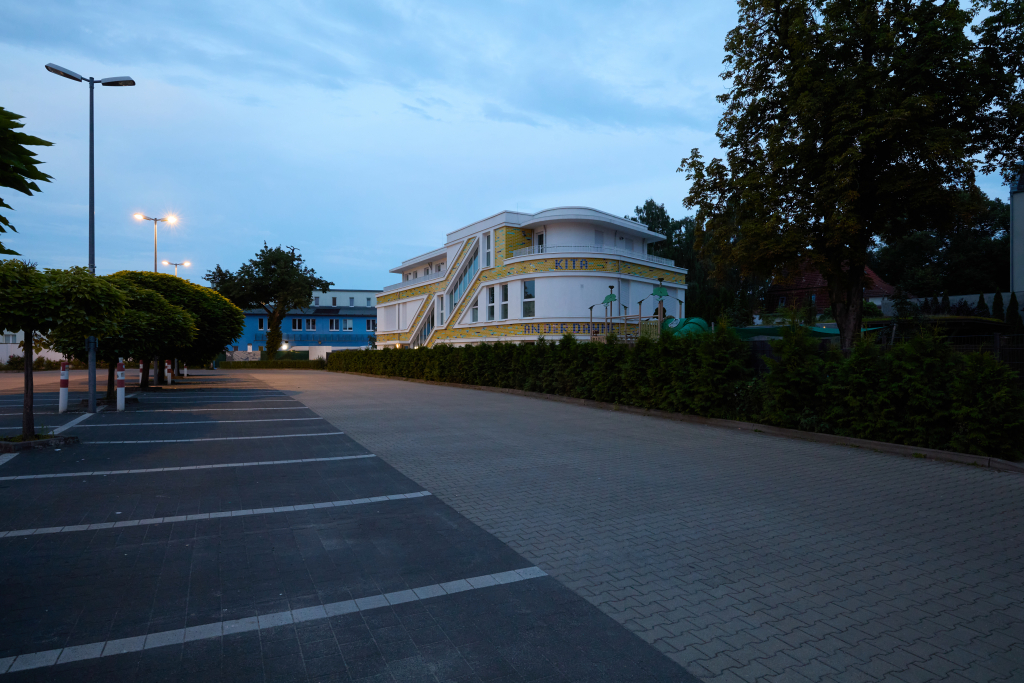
point(185, 370)
point(140, 373)
point(63, 401)
point(119, 377)
point(168, 377)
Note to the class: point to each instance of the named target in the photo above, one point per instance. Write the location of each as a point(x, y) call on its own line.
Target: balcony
point(416, 281)
point(592, 249)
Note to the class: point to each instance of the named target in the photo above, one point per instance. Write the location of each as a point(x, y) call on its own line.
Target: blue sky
point(358, 132)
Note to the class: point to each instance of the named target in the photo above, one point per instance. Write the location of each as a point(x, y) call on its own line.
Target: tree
point(18, 166)
point(997, 306)
point(844, 117)
point(277, 280)
point(1013, 319)
point(982, 308)
point(73, 301)
point(218, 322)
point(150, 326)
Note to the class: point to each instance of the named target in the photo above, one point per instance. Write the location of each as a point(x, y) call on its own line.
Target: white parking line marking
point(69, 425)
point(103, 473)
point(209, 410)
point(217, 629)
point(209, 515)
point(201, 422)
point(222, 438)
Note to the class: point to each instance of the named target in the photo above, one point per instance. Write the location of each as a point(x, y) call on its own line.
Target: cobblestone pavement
point(744, 557)
point(221, 531)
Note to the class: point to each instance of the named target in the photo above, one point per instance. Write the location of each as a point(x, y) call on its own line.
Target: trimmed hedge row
point(921, 393)
point(318, 364)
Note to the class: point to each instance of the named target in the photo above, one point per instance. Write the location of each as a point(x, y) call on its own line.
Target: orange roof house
point(809, 282)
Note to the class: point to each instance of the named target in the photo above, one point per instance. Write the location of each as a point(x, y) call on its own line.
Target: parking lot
point(221, 530)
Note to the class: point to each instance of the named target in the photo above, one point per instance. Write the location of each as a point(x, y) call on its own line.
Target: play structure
point(628, 328)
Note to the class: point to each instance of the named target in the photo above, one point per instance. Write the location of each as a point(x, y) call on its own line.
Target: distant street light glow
point(169, 218)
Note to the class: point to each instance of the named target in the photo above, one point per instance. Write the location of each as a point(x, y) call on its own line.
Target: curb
point(878, 446)
point(14, 447)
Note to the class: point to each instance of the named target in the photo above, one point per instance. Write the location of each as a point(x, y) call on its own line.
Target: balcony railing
point(592, 249)
point(416, 281)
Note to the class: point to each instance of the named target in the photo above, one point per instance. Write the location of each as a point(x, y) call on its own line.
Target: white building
point(519, 277)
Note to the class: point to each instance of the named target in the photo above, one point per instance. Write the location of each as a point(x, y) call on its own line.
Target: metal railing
point(591, 249)
point(416, 281)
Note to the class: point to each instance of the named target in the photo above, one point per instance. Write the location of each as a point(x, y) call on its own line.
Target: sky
point(358, 132)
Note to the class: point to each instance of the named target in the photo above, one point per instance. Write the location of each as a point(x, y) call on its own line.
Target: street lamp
point(115, 81)
point(170, 220)
point(172, 263)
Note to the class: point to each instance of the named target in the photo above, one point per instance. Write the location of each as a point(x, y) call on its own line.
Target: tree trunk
point(846, 289)
point(160, 371)
point(144, 384)
point(111, 366)
point(28, 418)
point(274, 336)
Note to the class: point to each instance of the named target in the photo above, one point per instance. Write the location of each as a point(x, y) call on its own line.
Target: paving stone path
point(741, 556)
point(220, 530)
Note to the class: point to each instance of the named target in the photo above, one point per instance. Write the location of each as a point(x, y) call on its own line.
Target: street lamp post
point(172, 263)
point(115, 81)
point(171, 220)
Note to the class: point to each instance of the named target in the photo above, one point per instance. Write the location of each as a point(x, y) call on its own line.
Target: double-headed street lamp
point(115, 81)
point(171, 220)
point(172, 263)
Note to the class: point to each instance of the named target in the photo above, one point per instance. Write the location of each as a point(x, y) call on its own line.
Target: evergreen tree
point(926, 306)
point(936, 306)
point(997, 306)
point(945, 304)
point(1013, 313)
point(982, 308)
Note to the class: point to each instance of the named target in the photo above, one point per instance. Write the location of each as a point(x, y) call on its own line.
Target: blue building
point(338, 319)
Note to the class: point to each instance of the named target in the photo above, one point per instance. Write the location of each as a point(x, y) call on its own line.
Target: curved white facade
point(519, 277)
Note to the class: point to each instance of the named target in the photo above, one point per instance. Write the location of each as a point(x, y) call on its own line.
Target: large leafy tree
point(277, 280)
point(217, 321)
point(970, 256)
point(850, 120)
point(73, 301)
point(19, 168)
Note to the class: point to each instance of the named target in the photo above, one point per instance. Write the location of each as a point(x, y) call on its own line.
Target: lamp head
point(171, 219)
point(117, 80)
point(186, 263)
point(140, 217)
point(61, 71)
point(166, 263)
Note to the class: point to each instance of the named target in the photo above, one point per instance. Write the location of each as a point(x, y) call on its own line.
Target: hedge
point(921, 393)
point(319, 364)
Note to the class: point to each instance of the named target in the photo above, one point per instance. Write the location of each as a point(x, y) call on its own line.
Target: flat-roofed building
point(519, 277)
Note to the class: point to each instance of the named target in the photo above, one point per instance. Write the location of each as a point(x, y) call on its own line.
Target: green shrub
point(921, 393)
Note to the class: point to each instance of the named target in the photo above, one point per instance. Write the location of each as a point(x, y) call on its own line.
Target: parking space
point(219, 530)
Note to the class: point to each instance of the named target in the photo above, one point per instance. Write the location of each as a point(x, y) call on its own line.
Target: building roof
point(810, 278)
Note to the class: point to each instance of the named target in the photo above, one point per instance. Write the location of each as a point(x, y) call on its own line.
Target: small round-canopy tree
point(277, 280)
point(149, 327)
point(218, 322)
point(74, 301)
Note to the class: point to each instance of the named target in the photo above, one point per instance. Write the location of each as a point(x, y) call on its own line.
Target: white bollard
point(185, 368)
point(120, 387)
point(64, 371)
point(168, 377)
point(140, 373)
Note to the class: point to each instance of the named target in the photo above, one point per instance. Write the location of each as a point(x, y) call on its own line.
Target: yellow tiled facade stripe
point(428, 289)
point(546, 329)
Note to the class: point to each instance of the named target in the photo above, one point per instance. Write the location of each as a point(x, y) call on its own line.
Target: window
point(426, 271)
point(316, 301)
point(333, 324)
point(598, 238)
point(440, 310)
point(490, 303)
point(13, 338)
point(529, 298)
point(368, 301)
point(260, 348)
point(463, 282)
point(236, 348)
point(311, 324)
point(629, 244)
point(487, 250)
point(439, 267)
point(371, 325)
point(424, 334)
point(346, 324)
point(351, 301)
point(408, 277)
point(334, 301)
point(248, 348)
point(540, 242)
point(297, 324)
point(782, 301)
point(260, 325)
point(474, 313)
point(504, 302)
